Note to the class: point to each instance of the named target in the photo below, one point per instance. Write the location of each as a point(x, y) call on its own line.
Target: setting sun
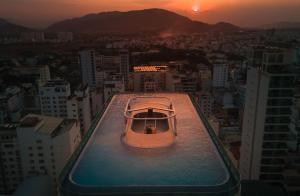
point(195, 8)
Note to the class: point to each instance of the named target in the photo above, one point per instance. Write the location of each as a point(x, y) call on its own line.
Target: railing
point(169, 108)
point(232, 169)
point(67, 168)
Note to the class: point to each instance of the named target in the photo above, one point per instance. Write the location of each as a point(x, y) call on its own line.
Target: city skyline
point(40, 14)
point(150, 97)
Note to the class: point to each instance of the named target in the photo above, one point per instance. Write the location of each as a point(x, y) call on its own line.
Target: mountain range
point(149, 20)
point(131, 22)
point(7, 28)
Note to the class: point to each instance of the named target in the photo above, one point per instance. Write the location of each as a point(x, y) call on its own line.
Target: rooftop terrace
point(193, 164)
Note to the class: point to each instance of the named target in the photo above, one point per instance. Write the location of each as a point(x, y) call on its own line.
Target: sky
point(245, 13)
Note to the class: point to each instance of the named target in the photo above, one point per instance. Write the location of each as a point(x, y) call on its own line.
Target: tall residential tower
point(267, 137)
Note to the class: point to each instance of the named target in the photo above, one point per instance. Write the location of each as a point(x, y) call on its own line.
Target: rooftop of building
point(150, 68)
point(53, 83)
point(192, 163)
point(47, 125)
point(9, 128)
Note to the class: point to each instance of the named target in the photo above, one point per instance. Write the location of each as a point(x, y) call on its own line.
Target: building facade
point(53, 98)
point(149, 78)
point(79, 107)
point(267, 137)
point(96, 64)
point(220, 73)
point(46, 144)
point(112, 85)
point(10, 163)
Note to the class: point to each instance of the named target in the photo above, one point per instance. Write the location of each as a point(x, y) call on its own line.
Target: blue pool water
point(192, 161)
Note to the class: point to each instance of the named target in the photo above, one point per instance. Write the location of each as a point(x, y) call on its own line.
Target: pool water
point(191, 161)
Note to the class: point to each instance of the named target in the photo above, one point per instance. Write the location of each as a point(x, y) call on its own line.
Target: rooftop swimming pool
point(107, 165)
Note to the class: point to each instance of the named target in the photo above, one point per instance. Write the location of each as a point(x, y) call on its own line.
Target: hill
point(7, 28)
point(139, 21)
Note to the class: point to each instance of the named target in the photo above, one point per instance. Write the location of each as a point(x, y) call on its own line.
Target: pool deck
point(108, 165)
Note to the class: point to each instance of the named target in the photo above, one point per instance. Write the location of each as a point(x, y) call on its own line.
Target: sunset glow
point(195, 8)
point(43, 13)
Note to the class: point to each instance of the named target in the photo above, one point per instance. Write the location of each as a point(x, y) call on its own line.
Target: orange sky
point(41, 13)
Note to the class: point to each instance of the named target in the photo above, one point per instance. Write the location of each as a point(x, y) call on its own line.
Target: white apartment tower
point(266, 135)
point(46, 144)
point(53, 96)
point(10, 163)
point(79, 107)
point(220, 73)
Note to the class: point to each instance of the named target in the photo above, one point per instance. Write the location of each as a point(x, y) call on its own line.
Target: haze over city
point(41, 13)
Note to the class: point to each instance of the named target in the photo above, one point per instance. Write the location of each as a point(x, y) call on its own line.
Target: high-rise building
point(10, 163)
point(206, 103)
point(150, 78)
point(46, 144)
point(31, 99)
point(205, 77)
point(97, 102)
point(54, 95)
point(188, 84)
point(112, 85)
point(220, 73)
point(79, 107)
point(10, 105)
point(267, 138)
point(95, 65)
point(87, 64)
point(181, 82)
